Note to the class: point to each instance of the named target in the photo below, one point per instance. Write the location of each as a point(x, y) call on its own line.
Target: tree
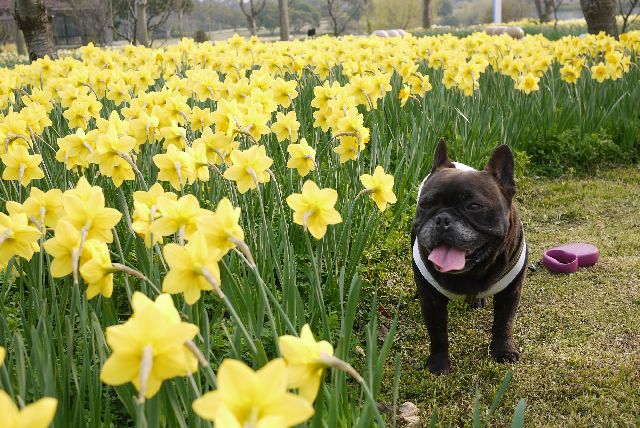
point(389, 14)
point(142, 35)
point(251, 12)
point(446, 8)
point(93, 19)
point(302, 13)
point(426, 13)
point(600, 16)
point(157, 12)
point(284, 19)
point(626, 11)
point(342, 12)
point(268, 18)
point(543, 9)
point(32, 19)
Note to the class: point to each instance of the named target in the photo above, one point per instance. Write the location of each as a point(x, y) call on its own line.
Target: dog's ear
point(440, 158)
point(501, 168)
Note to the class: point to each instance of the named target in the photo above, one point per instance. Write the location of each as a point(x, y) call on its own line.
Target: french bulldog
point(468, 244)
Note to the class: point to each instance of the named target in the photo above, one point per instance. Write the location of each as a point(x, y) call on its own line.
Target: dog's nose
point(443, 221)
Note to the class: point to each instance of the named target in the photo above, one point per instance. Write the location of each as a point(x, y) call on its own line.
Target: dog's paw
point(439, 363)
point(478, 303)
point(506, 355)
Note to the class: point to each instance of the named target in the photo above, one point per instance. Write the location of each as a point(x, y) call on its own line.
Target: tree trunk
point(21, 45)
point(284, 19)
point(600, 16)
point(142, 36)
point(31, 17)
point(544, 13)
point(426, 13)
point(251, 23)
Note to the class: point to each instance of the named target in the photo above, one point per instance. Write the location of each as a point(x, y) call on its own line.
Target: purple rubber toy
point(567, 258)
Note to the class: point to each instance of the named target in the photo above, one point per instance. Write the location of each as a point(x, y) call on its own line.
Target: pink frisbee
point(567, 258)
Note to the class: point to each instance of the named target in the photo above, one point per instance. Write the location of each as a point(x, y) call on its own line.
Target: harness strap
point(506, 279)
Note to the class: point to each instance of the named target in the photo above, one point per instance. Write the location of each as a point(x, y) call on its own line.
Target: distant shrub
point(571, 152)
point(200, 36)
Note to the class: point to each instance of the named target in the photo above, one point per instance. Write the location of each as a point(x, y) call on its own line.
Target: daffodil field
point(181, 229)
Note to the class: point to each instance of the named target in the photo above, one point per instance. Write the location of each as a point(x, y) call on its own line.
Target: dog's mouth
point(453, 260)
point(447, 258)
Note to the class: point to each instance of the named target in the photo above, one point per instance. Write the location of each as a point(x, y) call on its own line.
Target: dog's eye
point(474, 206)
point(427, 202)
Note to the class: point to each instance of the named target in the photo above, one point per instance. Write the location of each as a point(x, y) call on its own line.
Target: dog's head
point(463, 217)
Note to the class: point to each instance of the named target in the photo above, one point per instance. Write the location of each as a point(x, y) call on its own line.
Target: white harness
point(495, 288)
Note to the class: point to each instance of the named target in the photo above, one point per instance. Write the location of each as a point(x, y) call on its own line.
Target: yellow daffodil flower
point(177, 216)
point(301, 157)
point(74, 150)
point(380, 185)
point(221, 229)
point(150, 347)
point(192, 268)
point(44, 207)
point(286, 127)
point(249, 167)
point(84, 209)
point(21, 166)
point(97, 271)
point(304, 359)
point(39, 414)
point(17, 238)
point(175, 166)
point(245, 398)
point(314, 208)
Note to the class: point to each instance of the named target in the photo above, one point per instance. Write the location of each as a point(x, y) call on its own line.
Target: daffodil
point(44, 207)
point(218, 146)
point(175, 166)
point(380, 185)
point(286, 127)
point(3, 353)
point(20, 165)
point(17, 238)
point(192, 268)
point(221, 229)
point(110, 153)
point(301, 157)
point(179, 216)
point(245, 398)
point(85, 209)
point(404, 94)
point(528, 83)
point(174, 135)
point(150, 347)
point(61, 247)
point(74, 150)
point(249, 167)
point(200, 119)
point(39, 414)
point(306, 361)
point(314, 208)
point(600, 72)
point(97, 271)
point(284, 92)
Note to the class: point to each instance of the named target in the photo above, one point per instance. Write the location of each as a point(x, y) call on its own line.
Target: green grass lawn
point(579, 334)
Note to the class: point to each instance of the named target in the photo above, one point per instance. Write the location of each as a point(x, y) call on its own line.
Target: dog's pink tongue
point(447, 258)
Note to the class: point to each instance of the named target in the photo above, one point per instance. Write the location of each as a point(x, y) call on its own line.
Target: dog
point(468, 244)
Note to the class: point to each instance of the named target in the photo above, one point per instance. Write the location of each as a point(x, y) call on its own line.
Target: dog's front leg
point(435, 315)
point(505, 305)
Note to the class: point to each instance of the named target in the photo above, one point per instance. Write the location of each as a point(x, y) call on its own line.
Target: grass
point(578, 334)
